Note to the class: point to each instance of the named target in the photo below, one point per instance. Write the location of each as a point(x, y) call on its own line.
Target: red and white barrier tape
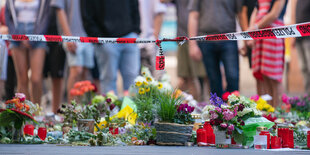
point(297, 30)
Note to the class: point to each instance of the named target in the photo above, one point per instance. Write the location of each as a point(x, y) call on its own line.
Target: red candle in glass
point(28, 129)
point(42, 133)
point(233, 141)
point(275, 142)
point(291, 138)
point(285, 138)
point(211, 139)
point(268, 137)
point(308, 139)
point(210, 133)
point(201, 136)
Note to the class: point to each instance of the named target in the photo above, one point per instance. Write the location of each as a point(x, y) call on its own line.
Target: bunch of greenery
point(167, 106)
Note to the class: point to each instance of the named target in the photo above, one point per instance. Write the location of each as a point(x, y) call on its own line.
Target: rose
point(255, 98)
point(20, 96)
point(108, 100)
point(212, 122)
point(225, 96)
point(223, 125)
point(112, 106)
point(231, 127)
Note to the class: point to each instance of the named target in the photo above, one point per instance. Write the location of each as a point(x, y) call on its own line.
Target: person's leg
point(129, 64)
point(11, 81)
point(36, 65)
point(57, 93)
point(303, 48)
point(108, 60)
point(20, 58)
point(276, 92)
point(211, 59)
point(230, 59)
point(95, 75)
point(260, 87)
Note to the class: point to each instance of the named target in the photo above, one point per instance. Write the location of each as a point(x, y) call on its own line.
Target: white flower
point(140, 79)
point(232, 98)
point(244, 111)
point(243, 100)
point(208, 108)
point(257, 112)
point(224, 106)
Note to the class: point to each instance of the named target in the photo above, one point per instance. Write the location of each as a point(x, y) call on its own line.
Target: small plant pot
point(172, 133)
point(86, 125)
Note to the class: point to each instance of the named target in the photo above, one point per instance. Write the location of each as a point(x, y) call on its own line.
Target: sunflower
point(141, 91)
point(160, 85)
point(147, 89)
point(145, 83)
point(148, 79)
point(138, 84)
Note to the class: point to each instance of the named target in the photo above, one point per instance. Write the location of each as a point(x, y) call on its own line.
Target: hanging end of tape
point(160, 59)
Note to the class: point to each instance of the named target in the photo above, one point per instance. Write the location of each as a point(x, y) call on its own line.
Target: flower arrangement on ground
point(299, 105)
point(18, 111)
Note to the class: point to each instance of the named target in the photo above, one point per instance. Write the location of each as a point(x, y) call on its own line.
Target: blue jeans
point(225, 52)
point(27, 28)
point(111, 57)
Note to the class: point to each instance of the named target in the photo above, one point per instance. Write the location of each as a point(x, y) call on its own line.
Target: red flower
point(236, 93)
point(108, 100)
point(225, 96)
point(112, 106)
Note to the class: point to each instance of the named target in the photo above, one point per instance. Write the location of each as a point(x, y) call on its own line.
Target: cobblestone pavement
point(46, 149)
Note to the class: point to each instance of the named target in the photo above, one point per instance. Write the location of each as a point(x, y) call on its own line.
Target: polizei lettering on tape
point(283, 32)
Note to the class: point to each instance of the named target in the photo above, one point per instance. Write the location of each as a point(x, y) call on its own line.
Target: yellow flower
point(141, 91)
point(160, 85)
point(143, 73)
point(138, 84)
point(147, 89)
point(271, 109)
point(145, 83)
point(148, 79)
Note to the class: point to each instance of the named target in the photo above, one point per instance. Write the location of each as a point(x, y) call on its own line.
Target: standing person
point(301, 13)
point(3, 54)
point(188, 70)
point(28, 17)
point(103, 18)
point(215, 17)
point(151, 13)
point(268, 54)
point(80, 56)
point(55, 63)
point(247, 9)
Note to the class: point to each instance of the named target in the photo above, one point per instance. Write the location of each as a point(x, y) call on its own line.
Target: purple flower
point(190, 109)
point(122, 131)
point(299, 104)
point(214, 116)
point(185, 105)
point(231, 127)
point(223, 125)
point(240, 107)
point(108, 100)
point(112, 106)
point(215, 100)
point(228, 115)
point(219, 110)
point(242, 123)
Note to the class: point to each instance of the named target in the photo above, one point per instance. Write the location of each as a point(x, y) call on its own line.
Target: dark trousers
point(11, 81)
point(215, 53)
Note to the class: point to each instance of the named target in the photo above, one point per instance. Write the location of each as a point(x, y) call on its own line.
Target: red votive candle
point(113, 131)
point(291, 138)
point(201, 136)
point(275, 142)
point(28, 129)
point(42, 133)
point(266, 133)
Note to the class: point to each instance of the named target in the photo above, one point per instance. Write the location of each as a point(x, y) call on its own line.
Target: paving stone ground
point(46, 149)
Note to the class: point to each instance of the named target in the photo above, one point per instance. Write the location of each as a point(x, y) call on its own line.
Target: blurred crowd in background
point(24, 64)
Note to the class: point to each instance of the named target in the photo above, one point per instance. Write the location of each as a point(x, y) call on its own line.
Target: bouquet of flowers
point(18, 111)
point(300, 105)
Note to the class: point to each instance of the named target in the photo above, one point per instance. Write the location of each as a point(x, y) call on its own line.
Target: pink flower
point(20, 96)
point(255, 98)
point(228, 115)
point(236, 93)
point(231, 127)
point(219, 110)
point(223, 125)
point(285, 99)
point(214, 116)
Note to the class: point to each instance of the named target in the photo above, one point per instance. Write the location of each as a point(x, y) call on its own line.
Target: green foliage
point(79, 136)
point(166, 109)
point(145, 109)
point(9, 118)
